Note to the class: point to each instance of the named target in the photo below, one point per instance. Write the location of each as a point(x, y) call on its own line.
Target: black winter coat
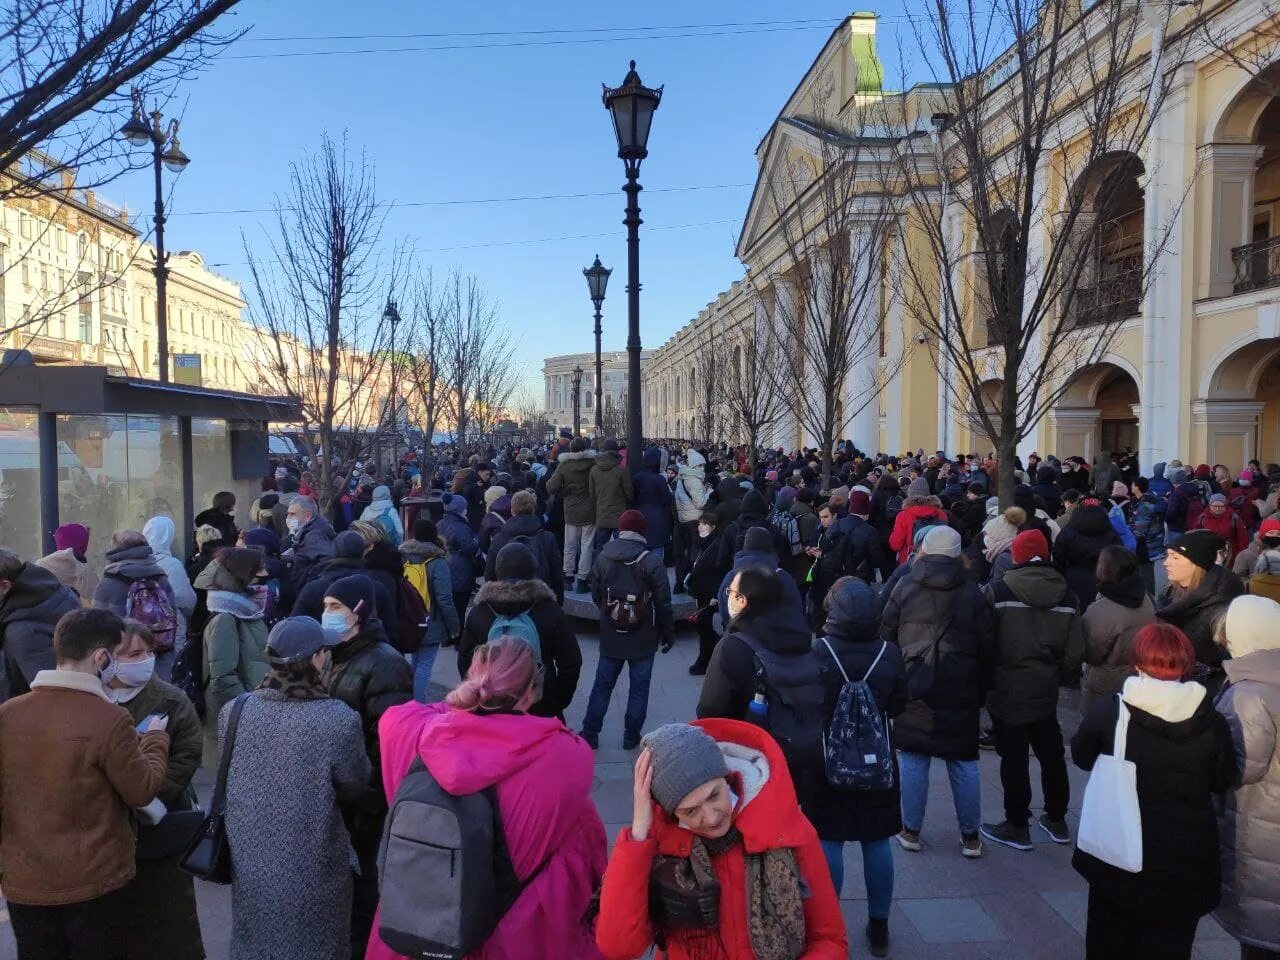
point(708, 568)
point(546, 551)
point(369, 676)
point(609, 572)
point(1196, 613)
point(310, 602)
point(1039, 643)
point(944, 626)
point(863, 553)
point(561, 655)
point(1076, 550)
point(28, 614)
point(854, 634)
point(1179, 766)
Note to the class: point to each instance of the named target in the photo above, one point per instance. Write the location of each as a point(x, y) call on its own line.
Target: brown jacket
point(72, 768)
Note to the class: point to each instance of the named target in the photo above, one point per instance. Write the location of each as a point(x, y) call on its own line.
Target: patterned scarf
point(293, 681)
point(684, 896)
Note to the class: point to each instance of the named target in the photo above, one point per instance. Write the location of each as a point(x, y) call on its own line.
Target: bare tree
point(1031, 96)
point(828, 309)
point(424, 354)
point(62, 68)
point(705, 389)
point(477, 358)
point(1252, 44)
point(322, 337)
point(752, 386)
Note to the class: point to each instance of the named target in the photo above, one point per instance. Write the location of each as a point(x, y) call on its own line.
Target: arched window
point(1110, 227)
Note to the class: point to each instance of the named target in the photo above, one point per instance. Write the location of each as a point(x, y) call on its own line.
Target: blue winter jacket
point(444, 621)
point(652, 497)
point(462, 546)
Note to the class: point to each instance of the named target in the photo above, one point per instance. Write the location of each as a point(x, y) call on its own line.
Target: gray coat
point(1109, 628)
point(291, 894)
point(1249, 826)
point(125, 565)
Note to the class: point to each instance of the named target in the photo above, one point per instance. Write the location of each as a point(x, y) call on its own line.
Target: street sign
point(186, 369)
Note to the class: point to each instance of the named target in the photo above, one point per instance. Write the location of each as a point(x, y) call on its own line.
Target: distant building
point(557, 378)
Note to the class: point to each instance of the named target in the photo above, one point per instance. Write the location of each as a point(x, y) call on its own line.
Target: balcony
point(1116, 296)
point(52, 348)
point(1257, 265)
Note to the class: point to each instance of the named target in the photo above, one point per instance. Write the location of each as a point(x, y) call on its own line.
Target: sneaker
point(1056, 829)
point(878, 937)
point(630, 742)
point(987, 741)
point(909, 840)
point(593, 740)
point(971, 847)
point(1008, 834)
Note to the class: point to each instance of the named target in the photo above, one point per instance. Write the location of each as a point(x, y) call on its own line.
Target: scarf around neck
point(239, 605)
point(293, 681)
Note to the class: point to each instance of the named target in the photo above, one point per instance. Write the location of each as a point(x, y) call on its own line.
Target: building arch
point(1237, 416)
point(1110, 224)
point(1098, 410)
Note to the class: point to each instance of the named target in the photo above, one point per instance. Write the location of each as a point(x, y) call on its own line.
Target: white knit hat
point(1252, 624)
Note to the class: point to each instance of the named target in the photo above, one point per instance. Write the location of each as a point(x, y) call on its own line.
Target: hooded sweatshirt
point(159, 533)
point(383, 512)
point(691, 491)
point(125, 566)
point(28, 614)
point(542, 775)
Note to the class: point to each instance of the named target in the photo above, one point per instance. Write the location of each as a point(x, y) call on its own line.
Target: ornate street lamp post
point(597, 280)
point(632, 106)
point(577, 400)
point(391, 315)
point(165, 150)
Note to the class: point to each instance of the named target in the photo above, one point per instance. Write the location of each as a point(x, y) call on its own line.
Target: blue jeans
point(424, 662)
point(607, 672)
point(966, 791)
point(877, 872)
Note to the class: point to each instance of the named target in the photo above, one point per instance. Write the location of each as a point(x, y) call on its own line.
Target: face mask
point(293, 523)
point(336, 622)
point(110, 671)
point(135, 673)
point(704, 530)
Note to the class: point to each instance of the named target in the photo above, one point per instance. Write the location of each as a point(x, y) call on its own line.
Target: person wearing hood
point(514, 590)
point(497, 507)
point(728, 501)
point(1221, 519)
point(235, 635)
point(919, 505)
point(1159, 484)
point(1147, 521)
point(653, 499)
point(32, 601)
point(525, 526)
point(487, 736)
point(715, 814)
point(370, 676)
point(629, 579)
point(753, 513)
point(383, 512)
point(1039, 646)
point(706, 571)
point(129, 560)
point(462, 547)
point(850, 647)
point(1111, 622)
point(347, 561)
point(1199, 591)
point(309, 541)
point(159, 532)
point(944, 627)
point(1047, 489)
point(612, 491)
point(1105, 475)
point(571, 483)
point(1185, 503)
point(692, 495)
point(1078, 546)
point(221, 514)
point(444, 625)
point(297, 752)
point(998, 535)
point(1182, 749)
point(1249, 820)
point(757, 551)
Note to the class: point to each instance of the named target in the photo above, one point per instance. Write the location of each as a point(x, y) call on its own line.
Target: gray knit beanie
point(684, 758)
point(919, 487)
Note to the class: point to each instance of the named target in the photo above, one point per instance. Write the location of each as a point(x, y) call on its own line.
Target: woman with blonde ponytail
point(483, 736)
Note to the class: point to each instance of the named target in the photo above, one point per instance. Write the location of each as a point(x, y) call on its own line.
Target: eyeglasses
point(735, 593)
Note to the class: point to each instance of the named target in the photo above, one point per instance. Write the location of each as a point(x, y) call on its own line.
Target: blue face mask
point(336, 622)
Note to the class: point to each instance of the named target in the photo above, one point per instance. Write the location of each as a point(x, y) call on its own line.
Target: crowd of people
point(850, 630)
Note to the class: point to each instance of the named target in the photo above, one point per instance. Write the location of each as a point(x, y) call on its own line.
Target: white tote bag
point(1110, 821)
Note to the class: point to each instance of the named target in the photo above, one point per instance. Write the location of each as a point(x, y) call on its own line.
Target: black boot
point(878, 937)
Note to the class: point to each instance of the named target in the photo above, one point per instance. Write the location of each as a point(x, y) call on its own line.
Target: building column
point(1076, 429)
point(1225, 431)
point(1167, 307)
point(1228, 174)
point(787, 432)
point(1037, 244)
point(863, 378)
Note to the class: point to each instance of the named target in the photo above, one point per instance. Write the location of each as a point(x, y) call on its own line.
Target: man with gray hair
point(309, 540)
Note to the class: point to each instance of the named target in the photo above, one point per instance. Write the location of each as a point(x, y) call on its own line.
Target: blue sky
point(498, 122)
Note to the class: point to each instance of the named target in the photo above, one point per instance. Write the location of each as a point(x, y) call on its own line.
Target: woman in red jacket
point(718, 845)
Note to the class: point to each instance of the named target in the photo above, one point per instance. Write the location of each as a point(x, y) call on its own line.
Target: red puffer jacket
point(1229, 527)
point(768, 820)
point(904, 523)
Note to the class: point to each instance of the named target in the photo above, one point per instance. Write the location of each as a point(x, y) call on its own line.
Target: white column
point(1167, 306)
point(787, 432)
point(1229, 169)
point(867, 264)
point(1037, 244)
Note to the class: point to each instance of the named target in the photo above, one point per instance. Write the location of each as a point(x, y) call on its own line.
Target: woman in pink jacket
point(482, 737)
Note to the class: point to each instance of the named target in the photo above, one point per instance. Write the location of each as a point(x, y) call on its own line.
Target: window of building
point(24, 225)
point(62, 240)
point(86, 326)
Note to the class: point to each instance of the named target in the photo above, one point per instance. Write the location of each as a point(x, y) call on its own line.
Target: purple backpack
point(149, 603)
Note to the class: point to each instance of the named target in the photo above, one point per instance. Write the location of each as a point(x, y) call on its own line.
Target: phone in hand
point(143, 723)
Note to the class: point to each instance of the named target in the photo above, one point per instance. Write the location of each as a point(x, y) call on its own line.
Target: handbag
point(209, 855)
point(1110, 819)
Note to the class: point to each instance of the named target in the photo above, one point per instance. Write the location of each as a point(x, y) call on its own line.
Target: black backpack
point(793, 707)
point(629, 607)
point(539, 557)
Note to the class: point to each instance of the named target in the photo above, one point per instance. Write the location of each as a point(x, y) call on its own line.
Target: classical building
point(557, 379)
point(1190, 366)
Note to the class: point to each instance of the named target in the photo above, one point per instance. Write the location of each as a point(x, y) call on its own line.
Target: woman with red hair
point(1182, 749)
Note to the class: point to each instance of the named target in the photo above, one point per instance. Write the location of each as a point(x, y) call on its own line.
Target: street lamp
point(391, 316)
point(632, 106)
point(577, 401)
point(597, 280)
point(165, 150)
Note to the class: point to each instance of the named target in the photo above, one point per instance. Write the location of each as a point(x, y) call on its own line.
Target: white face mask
point(135, 673)
point(293, 523)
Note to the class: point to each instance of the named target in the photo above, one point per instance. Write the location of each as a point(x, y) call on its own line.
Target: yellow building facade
point(1193, 369)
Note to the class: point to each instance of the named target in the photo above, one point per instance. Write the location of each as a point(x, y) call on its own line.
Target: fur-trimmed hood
point(929, 501)
point(420, 551)
point(580, 455)
point(510, 596)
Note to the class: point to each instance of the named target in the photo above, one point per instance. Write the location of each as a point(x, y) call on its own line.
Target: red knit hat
point(631, 521)
point(1269, 528)
point(1030, 545)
